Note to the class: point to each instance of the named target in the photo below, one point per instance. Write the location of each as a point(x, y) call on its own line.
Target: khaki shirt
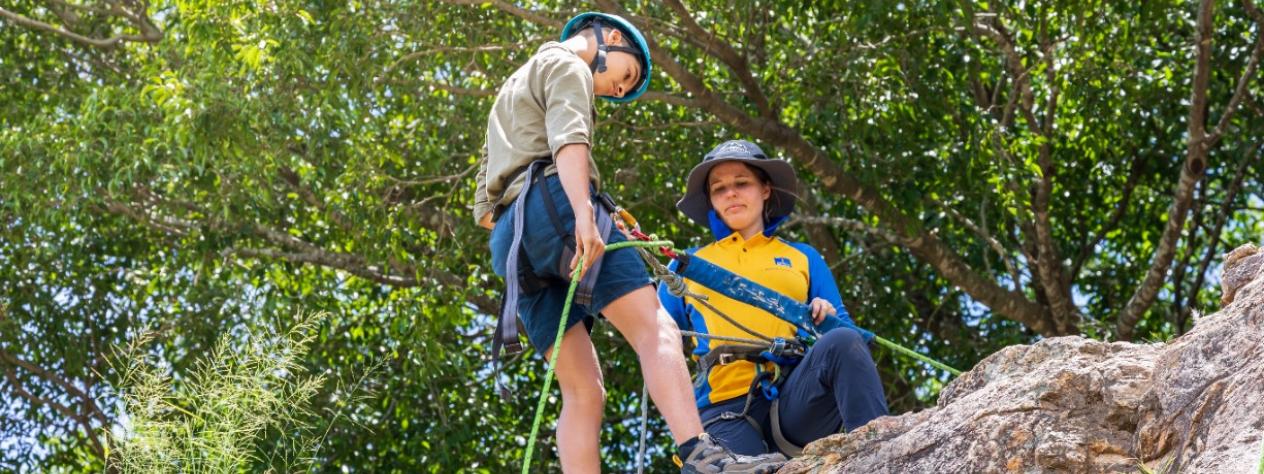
point(546, 104)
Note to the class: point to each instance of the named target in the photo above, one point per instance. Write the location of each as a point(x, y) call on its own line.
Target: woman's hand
point(821, 309)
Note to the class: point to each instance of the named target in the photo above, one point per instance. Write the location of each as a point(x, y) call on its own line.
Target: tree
point(978, 174)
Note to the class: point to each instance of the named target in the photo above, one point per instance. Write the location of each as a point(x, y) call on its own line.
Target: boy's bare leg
point(656, 339)
point(583, 400)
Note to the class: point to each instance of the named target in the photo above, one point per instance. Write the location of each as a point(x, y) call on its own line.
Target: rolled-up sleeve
point(568, 102)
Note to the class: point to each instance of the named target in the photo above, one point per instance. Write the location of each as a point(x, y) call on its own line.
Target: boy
point(538, 169)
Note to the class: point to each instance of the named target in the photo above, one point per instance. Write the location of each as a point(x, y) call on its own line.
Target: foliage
point(214, 421)
point(979, 174)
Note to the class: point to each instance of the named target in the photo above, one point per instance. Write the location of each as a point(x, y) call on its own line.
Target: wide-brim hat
point(696, 203)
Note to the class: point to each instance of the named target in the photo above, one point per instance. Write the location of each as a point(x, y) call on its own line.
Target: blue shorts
point(622, 271)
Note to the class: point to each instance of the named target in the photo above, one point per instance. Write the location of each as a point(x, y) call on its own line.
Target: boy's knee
point(591, 393)
point(668, 332)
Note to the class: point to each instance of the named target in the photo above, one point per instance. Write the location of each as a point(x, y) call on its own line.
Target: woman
point(742, 196)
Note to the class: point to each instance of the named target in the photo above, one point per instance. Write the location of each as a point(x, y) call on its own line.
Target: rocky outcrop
point(1070, 404)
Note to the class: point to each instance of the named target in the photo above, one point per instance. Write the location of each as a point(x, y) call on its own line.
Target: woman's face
point(737, 195)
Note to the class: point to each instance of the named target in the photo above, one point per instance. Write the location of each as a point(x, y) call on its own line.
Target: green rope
point(557, 343)
point(908, 352)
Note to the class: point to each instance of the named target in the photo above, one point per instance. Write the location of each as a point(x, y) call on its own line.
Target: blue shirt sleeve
point(821, 284)
point(674, 305)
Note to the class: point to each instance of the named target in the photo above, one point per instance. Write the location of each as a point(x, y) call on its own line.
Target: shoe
point(710, 457)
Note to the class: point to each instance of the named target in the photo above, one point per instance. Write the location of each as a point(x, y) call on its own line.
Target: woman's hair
point(759, 173)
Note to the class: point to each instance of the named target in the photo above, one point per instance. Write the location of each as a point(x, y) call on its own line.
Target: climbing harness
point(780, 351)
point(526, 279)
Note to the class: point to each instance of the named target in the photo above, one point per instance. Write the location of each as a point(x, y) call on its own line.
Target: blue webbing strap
point(741, 289)
point(734, 286)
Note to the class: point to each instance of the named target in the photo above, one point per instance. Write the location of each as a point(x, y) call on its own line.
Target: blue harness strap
point(742, 289)
point(506, 335)
point(734, 286)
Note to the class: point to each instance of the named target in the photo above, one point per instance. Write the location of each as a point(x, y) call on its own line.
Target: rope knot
point(675, 284)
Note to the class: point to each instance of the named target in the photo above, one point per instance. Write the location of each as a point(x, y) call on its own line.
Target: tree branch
point(1247, 77)
point(162, 224)
point(533, 16)
point(1014, 62)
point(149, 33)
point(294, 249)
point(1226, 208)
point(88, 402)
point(851, 225)
point(459, 49)
point(1191, 173)
point(670, 99)
point(996, 246)
point(1043, 257)
point(1197, 207)
point(292, 179)
point(463, 91)
point(83, 421)
point(1049, 264)
point(725, 52)
point(352, 264)
point(1086, 250)
point(820, 236)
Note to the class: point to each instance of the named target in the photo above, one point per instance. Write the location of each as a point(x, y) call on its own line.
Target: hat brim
point(785, 184)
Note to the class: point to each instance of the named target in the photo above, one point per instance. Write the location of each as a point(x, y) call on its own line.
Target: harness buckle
point(512, 348)
point(778, 346)
point(727, 358)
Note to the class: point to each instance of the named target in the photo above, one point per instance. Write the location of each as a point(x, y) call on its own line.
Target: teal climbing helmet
point(639, 48)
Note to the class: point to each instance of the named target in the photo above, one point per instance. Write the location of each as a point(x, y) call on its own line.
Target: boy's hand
point(587, 239)
point(487, 223)
point(821, 309)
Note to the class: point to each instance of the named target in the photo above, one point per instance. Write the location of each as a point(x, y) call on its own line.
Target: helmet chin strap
point(598, 63)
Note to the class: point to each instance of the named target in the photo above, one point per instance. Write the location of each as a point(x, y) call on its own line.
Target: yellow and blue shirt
point(791, 268)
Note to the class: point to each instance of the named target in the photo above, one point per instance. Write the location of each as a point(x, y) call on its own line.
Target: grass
point(213, 419)
point(1261, 468)
point(1163, 468)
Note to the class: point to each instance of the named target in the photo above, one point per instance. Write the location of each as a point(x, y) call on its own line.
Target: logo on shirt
point(783, 261)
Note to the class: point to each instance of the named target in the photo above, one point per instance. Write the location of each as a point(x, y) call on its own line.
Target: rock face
point(1070, 404)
